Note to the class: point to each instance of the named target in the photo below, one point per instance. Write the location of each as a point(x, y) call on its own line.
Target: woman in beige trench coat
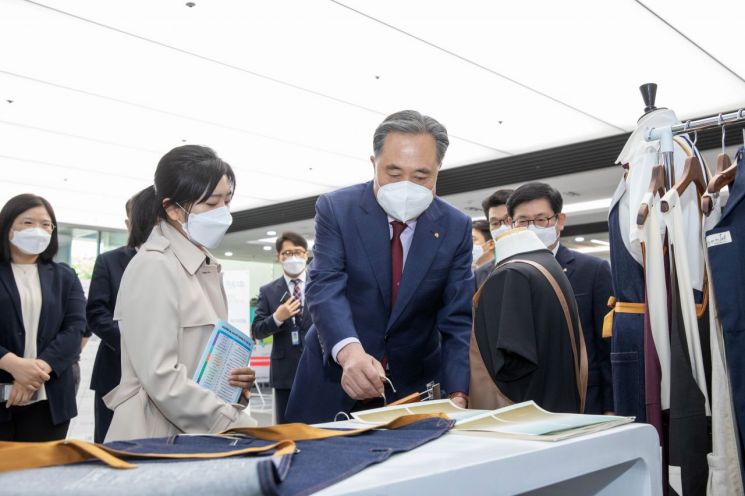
point(170, 297)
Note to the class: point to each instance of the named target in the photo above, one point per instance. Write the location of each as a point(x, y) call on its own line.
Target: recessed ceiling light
point(267, 248)
point(587, 206)
point(579, 239)
point(271, 233)
point(228, 253)
point(599, 242)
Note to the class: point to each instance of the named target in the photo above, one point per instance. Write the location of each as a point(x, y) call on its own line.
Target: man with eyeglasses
point(537, 207)
point(495, 210)
point(280, 313)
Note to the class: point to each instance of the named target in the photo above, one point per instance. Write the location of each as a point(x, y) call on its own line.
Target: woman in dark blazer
point(43, 319)
point(107, 274)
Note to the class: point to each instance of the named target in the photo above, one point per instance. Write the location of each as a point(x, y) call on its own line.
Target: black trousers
point(103, 418)
point(280, 403)
point(32, 423)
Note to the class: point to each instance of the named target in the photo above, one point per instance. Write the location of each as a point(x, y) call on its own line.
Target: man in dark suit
point(104, 287)
point(495, 210)
point(391, 282)
point(537, 206)
point(280, 313)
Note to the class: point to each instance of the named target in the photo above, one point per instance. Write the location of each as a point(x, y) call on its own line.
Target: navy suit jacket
point(481, 274)
point(107, 275)
point(425, 335)
point(591, 281)
point(285, 356)
point(61, 327)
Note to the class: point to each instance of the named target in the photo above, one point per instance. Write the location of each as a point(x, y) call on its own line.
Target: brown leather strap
point(17, 456)
point(579, 356)
point(483, 392)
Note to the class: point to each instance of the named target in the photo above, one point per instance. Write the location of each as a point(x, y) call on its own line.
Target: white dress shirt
point(29, 290)
point(407, 236)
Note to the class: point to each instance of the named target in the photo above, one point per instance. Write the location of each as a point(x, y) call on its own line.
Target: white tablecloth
point(620, 461)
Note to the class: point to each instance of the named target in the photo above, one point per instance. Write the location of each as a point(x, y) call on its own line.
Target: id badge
point(295, 338)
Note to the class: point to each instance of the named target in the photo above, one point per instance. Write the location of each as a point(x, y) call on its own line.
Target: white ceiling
point(290, 92)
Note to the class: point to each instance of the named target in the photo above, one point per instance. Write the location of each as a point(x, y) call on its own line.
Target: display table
point(620, 461)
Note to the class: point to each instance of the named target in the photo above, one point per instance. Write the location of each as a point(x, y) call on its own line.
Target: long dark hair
point(15, 207)
point(186, 175)
point(140, 217)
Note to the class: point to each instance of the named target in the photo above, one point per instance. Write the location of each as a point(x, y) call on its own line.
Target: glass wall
point(79, 247)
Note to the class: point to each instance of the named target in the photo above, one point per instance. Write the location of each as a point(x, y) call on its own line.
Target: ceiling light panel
point(591, 55)
point(285, 43)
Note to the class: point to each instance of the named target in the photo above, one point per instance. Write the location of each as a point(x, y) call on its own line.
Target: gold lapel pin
point(437, 235)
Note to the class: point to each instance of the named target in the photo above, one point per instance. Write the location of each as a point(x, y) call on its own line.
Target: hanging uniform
point(625, 322)
point(656, 326)
point(725, 474)
point(726, 250)
point(689, 439)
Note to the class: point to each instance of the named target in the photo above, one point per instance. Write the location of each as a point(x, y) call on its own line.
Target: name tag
point(295, 338)
point(717, 239)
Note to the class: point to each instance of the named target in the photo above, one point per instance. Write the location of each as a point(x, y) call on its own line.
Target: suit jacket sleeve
point(64, 349)
point(150, 323)
point(601, 291)
point(263, 325)
point(454, 318)
point(100, 307)
point(326, 291)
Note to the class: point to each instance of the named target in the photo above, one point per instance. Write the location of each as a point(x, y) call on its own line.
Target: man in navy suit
point(280, 313)
point(537, 206)
point(391, 283)
point(104, 287)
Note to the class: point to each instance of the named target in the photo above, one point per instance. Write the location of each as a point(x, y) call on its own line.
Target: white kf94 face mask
point(208, 228)
point(548, 235)
point(476, 252)
point(404, 200)
point(294, 266)
point(31, 241)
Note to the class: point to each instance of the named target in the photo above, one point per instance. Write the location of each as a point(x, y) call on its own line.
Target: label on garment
point(295, 338)
point(717, 239)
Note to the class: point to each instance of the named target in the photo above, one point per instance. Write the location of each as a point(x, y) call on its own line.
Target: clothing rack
point(665, 133)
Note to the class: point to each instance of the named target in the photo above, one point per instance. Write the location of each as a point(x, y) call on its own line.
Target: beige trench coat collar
point(189, 254)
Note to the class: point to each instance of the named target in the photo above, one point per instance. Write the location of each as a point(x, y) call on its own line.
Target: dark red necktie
point(397, 258)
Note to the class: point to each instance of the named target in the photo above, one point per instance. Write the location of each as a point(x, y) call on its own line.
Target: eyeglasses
point(497, 223)
point(28, 224)
point(290, 253)
point(538, 221)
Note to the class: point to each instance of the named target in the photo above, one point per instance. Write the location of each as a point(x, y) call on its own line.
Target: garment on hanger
point(656, 293)
point(726, 251)
point(677, 230)
point(625, 321)
point(689, 438)
point(725, 473)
